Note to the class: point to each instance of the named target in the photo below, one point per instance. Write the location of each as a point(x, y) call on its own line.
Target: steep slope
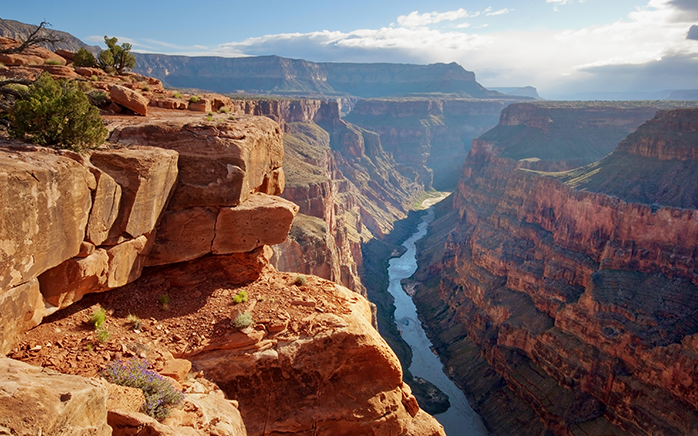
point(18, 30)
point(572, 309)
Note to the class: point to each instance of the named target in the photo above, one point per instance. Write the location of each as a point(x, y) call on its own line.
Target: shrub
point(177, 95)
point(164, 301)
point(300, 280)
point(117, 58)
point(94, 78)
point(98, 98)
point(98, 317)
point(134, 322)
point(223, 110)
point(102, 335)
point(145, 88)
point(84, 58)
point(160, 395)
point(52, 62)
point(241, 297)
point(193, 99)
point(243, 320)
point(18, 87)
point(57, 114)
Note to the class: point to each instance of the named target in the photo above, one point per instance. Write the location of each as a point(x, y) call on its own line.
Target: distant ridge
point(17, 30)
point(284, 76)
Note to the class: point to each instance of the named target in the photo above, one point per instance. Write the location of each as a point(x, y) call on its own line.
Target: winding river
point(459, 419)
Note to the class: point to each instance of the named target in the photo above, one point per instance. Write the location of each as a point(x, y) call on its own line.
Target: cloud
point(415, 19)
point(560, 2)
point(499, 12)
point(687, 7)
point(692, 33)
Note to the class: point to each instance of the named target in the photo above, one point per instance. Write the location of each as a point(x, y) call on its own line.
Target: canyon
point(568, 297)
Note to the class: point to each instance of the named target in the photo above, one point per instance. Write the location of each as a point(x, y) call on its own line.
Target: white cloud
point(415, 19)
point(499, 12)
point(561, 2)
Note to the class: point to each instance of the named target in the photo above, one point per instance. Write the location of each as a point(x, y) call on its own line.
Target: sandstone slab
point(38, 401)
point(147, 176)
point(261, 220)
point(21, 308)
point(183, 234)
point(105, 208)
point(130, 99)
point(220, 163)
point(89, 72)
point(45, 201)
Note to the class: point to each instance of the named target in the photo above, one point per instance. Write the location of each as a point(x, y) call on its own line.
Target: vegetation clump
point(193, 99)
point(98, 317)
point(134, 321)
point(177, 94)
point(243, 320)
point(58, 114)
point(116, 58)
point(164, 301)
point(160, 395)
point(83, 58)
point(240, 297)
point(300, 280)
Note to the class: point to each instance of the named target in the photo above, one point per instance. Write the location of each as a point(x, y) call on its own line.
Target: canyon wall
point(572, 308)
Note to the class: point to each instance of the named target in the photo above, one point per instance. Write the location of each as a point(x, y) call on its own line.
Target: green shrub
point(102, 335)
point(18, 87)
point(160, 395)
point(243, 320)
point(98, 98)
point(134, 322)
point(94, 78)
point(164, 301)
point(193, 99)
point(84, 58)
point(145, 88)
point(117, 58)
point(98, 317)
point(223, 110)
point(300, 280)
point(241, 297)
point(177, 95)
point(57, 114)
point(53, 62)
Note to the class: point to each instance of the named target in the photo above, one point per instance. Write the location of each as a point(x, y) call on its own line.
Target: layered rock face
point(283, 76)
point(346, 185)
point(427, 136)
point(571, 306)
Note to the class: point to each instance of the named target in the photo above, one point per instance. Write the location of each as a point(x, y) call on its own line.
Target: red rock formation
point(582, 303)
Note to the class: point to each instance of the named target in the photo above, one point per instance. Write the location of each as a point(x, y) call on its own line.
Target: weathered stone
point(146, 176)
point(260, 220)
point(60, 71)
point(44, 205)
point(86, 249)
point(220, 164)
point(34, 401)
point(183, 234)
point(65, 54)
point(89, 72)
point(126, 423)
point(218, 416)
point(102, 270)
point(129, 98)
point(176, 368)
point(105, 208)
point(274, 183)
point(21, 308)
point(201, 105)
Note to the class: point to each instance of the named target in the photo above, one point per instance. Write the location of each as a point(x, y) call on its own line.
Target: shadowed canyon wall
point(573, 310)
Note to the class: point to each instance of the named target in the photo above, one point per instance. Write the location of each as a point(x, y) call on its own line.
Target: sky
point(561, 47)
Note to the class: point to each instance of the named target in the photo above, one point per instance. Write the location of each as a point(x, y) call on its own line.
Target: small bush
point(57, 114)
point(18, 87)
point(160, 395)
point(94, 78)
point(243, 320)
point(134, 322)
point(145, 88)
point(52, 62)
point(300, 280)
point(241, 297)
point(164, 301)
point(98, 317)
point(223, 110)
point(209, 118)
point(177, 95)
point(98, 98)
point(193, 99)
point(102, 335)
point(84, 58)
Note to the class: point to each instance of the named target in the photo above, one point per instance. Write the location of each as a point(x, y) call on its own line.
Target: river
point(459, 419)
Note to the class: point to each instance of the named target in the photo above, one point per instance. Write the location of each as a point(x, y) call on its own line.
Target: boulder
point(105, 207)
point(21, 308)
point(65, 54)
point(129, 98)
point(201, 105)
point(146, 176)
point(58, 71)
point(183, 234)
point(260, 220)
point(102, 270)
point(45, 202)
point(220, 164)
point(35, 400)
point(89, 72)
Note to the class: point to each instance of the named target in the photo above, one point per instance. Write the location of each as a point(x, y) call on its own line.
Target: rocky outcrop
point(580, 302)
point(129, 99)
point(35, 400)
